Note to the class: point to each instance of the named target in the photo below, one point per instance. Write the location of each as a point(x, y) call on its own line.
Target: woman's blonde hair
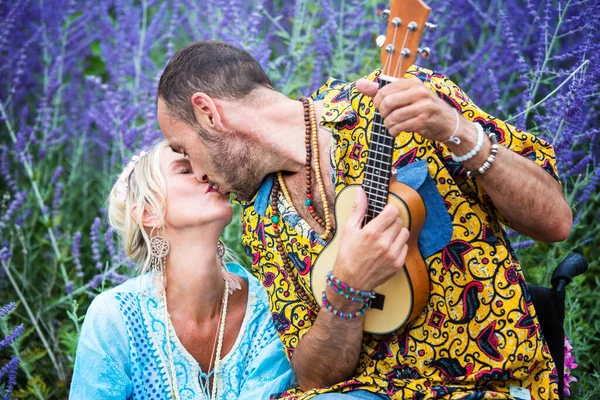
point(143, 188)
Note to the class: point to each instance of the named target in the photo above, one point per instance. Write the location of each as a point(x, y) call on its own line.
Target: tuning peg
point(424, 51)
point(431, 26)
point(385, 14)
point(380, 40)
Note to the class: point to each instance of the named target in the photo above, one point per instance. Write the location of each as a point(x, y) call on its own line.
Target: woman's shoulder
point(111, 301)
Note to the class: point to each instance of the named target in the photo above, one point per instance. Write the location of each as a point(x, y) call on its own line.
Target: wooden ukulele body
point(403, 297)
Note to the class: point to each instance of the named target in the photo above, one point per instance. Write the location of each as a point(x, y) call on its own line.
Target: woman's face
point(191, 203)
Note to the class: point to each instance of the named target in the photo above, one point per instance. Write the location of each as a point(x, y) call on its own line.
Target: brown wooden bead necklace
point(312, 148)
point(311, 143)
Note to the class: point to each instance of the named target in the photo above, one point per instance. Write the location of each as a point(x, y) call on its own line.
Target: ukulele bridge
point(377, 301)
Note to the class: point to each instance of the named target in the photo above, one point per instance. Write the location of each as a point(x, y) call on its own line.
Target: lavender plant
point(77, 97)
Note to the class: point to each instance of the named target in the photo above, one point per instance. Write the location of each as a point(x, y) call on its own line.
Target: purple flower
point(5, 169)
point(95, 237)
point(109, 242)
point(5, 254)
point(15, 205)
point(6, 309)
point(76, 253)
point(56, 174)
point(10, 369)
point(56, 201)
point(7, 341)
point(96, 281)
point(569, 367)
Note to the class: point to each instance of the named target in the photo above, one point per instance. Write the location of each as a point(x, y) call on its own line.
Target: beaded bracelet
point(475, 149)
point(341, 314)
point(343, 289)
point(490, 160)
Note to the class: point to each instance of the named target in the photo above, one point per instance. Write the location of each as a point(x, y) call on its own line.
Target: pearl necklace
point(221, 333)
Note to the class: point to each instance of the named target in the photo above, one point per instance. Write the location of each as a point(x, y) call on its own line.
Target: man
point(478, 336)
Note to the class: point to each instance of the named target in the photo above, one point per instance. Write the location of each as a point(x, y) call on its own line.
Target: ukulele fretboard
point(378, 168)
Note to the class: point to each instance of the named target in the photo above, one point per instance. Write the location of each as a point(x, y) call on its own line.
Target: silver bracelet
point(490, 160)
point(453, 137)
point(475, 149)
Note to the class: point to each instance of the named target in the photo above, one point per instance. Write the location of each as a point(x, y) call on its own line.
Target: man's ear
point(206, 111)
point(149, 220)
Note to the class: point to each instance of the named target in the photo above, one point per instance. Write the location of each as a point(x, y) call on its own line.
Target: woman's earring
point(220, 249)
point(159, 250)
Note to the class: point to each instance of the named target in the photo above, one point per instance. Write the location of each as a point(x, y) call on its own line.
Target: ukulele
point(403, 297)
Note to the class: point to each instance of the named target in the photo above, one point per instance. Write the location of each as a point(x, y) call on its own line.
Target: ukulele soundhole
point(378, 301)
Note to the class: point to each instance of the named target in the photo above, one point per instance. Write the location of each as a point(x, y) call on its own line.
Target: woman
point(186, 328)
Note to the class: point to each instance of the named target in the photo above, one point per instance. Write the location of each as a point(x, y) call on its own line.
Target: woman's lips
point(210, 189)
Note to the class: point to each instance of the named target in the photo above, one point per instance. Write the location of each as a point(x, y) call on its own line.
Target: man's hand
point(407, 105)
point(523, 192)
point(368, 256)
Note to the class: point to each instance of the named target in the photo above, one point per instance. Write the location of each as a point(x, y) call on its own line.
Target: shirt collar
point(337, 106)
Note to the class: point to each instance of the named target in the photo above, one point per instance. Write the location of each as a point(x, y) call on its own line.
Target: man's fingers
point(390, 234)
point(367, 87)
point(388, 103)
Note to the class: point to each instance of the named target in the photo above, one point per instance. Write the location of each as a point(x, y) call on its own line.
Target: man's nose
point(202, 178)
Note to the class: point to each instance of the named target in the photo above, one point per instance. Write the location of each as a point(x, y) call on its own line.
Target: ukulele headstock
point(406, 21)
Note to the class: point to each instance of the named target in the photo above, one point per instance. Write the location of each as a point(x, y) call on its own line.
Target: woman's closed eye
point(181, 166)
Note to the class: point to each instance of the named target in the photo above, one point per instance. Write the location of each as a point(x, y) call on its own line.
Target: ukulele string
point(388, 60)
point(401, 59)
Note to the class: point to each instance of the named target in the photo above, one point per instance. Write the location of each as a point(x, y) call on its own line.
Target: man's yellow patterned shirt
point(478, 335)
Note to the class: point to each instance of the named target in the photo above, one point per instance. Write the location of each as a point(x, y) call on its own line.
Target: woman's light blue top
point(122, 351)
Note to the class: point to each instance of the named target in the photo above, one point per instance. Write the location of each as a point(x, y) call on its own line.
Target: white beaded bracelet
point(475, 149)
point(490, 160)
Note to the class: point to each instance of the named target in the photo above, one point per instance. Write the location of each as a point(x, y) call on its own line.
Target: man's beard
point(238, 161)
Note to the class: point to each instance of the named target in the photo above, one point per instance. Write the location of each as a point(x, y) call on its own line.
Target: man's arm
point(329, 352)
point(367, 257)
point(527, 196)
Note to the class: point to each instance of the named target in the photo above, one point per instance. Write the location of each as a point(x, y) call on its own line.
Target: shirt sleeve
point(523, 143)
point(290, 315)
point(102, 369)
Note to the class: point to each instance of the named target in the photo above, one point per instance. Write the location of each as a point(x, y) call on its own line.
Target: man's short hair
point(218, 69)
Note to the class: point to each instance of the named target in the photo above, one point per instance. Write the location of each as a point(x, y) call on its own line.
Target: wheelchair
point(549, 304)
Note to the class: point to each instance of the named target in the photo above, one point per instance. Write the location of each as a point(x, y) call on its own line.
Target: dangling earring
point(227, 276)
point(220, 249)
point(159, 250)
